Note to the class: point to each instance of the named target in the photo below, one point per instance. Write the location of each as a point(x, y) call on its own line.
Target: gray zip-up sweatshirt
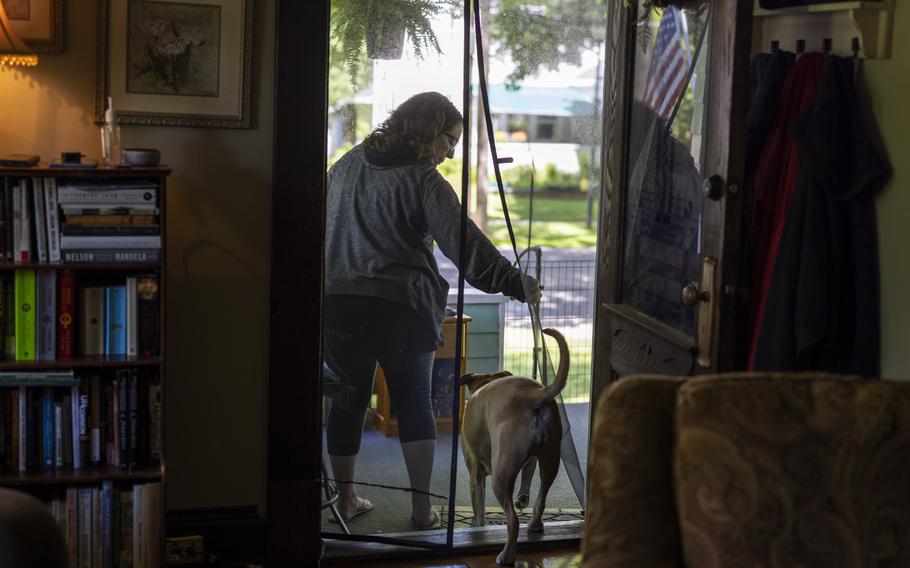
point(380, 226)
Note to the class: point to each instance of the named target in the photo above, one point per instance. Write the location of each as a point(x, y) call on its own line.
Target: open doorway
point(544, 65)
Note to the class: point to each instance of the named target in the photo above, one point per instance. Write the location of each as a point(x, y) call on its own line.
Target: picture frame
point(39, 23)
point(175, 62)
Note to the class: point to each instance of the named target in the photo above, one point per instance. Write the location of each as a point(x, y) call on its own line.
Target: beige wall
point(889, 86)
point(218, 257)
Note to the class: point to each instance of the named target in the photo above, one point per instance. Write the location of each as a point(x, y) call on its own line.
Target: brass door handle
point(691, 295)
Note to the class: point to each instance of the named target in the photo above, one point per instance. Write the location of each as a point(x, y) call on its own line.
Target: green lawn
point(556, 222)
point(518, 358)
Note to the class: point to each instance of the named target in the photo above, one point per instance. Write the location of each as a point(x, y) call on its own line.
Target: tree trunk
point(483, 144)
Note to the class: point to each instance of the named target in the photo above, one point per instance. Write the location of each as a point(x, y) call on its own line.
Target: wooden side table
point(381, 415)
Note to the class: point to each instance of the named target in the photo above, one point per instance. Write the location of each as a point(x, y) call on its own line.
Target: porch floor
point(381, 463)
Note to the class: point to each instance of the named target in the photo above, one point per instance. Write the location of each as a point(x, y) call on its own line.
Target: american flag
point(669, 65)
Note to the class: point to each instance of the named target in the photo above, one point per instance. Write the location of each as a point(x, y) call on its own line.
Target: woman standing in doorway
point(384, 297)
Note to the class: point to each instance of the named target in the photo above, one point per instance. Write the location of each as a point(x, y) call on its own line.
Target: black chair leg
point(331, 500)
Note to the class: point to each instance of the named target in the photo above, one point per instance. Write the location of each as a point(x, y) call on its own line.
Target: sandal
point(363, 506)
point(435, 523)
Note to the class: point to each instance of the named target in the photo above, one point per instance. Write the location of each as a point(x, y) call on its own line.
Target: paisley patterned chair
point(755, 469)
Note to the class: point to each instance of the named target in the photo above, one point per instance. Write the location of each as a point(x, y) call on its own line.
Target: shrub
point(549, 179)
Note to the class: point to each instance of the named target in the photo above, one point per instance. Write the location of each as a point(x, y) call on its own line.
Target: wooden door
point(668, 300)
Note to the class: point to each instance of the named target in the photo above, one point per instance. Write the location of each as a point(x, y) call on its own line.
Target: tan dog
point(509, 424)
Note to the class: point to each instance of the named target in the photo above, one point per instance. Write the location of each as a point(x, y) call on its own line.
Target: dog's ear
point(477, 380)
point(467, 379)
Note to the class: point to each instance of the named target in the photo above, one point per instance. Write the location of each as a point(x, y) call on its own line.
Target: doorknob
point(713, 186)
point(691, 295)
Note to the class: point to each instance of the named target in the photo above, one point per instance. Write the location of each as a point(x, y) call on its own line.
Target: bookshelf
point(82, 419)
point(383, 418)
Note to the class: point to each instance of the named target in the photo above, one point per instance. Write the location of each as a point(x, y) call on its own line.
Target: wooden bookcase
point(382, 417)
point(56, 483)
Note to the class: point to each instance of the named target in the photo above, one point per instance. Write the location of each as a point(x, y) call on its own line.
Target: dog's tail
point(562, 373)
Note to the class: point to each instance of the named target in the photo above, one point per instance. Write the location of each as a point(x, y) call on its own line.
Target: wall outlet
point(185, 550)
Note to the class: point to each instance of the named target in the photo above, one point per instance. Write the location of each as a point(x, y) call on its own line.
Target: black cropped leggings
point(359, 332)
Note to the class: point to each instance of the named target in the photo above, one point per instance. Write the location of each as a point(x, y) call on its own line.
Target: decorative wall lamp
point(13, 50)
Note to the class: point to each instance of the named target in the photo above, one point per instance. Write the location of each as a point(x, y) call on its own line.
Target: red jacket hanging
point(775, 180)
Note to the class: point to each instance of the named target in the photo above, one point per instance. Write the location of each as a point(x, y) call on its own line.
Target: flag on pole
point(669, 70)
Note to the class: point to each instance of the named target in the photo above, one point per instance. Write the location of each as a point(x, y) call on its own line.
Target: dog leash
point(568, 452)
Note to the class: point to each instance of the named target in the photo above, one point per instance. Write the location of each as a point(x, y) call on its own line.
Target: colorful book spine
point(123, 417)
point(17, 421)
point(37, 428)
point(40, 219)
point(147, 294)
point(71, 229)
point(47, 428)
point(132, 328)
point(9, 323)
point(78, 424)
point(127, 515)
point(155, 421)
point(47, 314)
point(67, 434)
point(119, 219)
point(115, 339)
point(94, 418)
point(86, 515)
point(86, 256)
point(91, 317)
point(85, 433)
point(58, 436)
point(17, 221)
point(107, 537)
point(25, 223)
point(139, 525)
point(134, 407)
point(65, 307)
point(9, 229)
point(72, 195)
point(25, 314)
point(72, 525)
point(53, 219)
point(89, 242)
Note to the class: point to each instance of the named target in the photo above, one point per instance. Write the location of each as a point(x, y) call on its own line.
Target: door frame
point(298, 231)
point(728, 89)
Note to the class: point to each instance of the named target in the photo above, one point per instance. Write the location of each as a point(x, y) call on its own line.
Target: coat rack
point(861, 28)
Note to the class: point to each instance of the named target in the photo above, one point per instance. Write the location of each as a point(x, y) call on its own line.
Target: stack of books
point(109, 220)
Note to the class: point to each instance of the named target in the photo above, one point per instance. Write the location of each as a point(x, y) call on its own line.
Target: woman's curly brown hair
point(414, 124)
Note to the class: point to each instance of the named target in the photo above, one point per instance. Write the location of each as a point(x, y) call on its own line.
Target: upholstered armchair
point(754, 469)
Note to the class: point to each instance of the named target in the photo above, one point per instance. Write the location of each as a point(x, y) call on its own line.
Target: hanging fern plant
point(379, 26)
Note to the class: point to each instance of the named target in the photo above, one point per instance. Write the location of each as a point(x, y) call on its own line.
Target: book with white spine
point(52, 218)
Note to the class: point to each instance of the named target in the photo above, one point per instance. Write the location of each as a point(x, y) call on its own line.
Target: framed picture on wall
point(169, 63)
point(37, 22)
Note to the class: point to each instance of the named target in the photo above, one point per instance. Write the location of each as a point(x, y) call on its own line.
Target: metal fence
point(567, 305)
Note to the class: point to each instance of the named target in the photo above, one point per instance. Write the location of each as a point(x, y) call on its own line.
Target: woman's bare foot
point(425, 519)
point(350, 508)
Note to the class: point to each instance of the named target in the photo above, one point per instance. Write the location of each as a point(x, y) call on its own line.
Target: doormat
point(464, 515)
